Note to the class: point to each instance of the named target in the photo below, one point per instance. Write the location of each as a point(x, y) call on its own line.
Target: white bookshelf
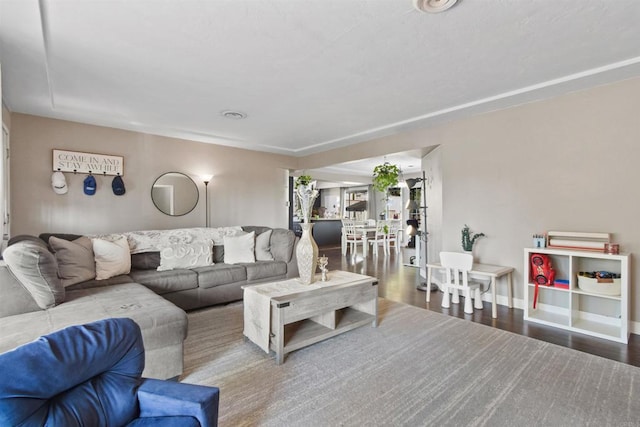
point(573, 309)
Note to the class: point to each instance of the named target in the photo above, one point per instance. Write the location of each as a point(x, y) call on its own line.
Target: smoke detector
point(433, 6)
point(233, 115)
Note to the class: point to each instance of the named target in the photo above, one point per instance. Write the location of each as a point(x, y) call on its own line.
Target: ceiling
point(359, 172)
point(310, 75)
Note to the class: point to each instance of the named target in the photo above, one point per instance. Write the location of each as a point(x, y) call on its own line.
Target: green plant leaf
point(385, 176)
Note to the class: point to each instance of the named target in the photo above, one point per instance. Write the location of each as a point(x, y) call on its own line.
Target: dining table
point(363, 229)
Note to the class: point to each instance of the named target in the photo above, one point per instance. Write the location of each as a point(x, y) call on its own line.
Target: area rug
point(417, 368)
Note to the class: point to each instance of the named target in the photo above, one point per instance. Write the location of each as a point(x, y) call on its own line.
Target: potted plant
point(306, 249)
point(385, 176)
point(306, 193)
point(469, 238)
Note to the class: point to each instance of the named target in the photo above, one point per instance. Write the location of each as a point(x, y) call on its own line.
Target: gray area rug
point(417, 368)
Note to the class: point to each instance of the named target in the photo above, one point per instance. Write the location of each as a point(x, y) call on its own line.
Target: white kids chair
point(457, 266)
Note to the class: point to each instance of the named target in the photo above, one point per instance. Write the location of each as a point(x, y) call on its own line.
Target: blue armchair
point(90, 375)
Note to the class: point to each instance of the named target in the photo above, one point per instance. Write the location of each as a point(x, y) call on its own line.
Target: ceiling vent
point(233, 115)
point(433, 6)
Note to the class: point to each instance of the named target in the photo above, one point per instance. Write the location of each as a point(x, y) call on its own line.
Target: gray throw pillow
point(263, 246)
point(37, 270)
point(76, 262)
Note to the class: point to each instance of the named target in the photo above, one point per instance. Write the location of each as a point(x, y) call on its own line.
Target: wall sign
point(98, 164)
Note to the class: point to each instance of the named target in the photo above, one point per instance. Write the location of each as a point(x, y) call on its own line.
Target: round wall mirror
point(174, 194)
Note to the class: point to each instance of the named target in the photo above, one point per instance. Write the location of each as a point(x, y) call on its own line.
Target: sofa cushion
point(14, 297)
point(162, 282)
point(75, 259)
point(185, 256)
point(37, 270)
point(260, 270)
point(263, 246)
point(115, 280)
point(112, 257)
point(218, 253)
point(165, 421)
point(220, 274)
point(23, 237)
point(66, 236)
point(161, 322)
point(239, 249)
point(145, 261)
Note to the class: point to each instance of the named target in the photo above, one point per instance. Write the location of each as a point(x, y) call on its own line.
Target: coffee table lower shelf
point(306, 332)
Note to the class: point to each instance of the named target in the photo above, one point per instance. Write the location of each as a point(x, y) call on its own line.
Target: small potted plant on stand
point(469, 238)
point(385, 176)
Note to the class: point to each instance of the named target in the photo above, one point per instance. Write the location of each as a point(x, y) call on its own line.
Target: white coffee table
point(286, 315)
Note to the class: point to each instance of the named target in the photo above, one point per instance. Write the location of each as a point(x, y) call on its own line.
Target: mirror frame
point(184, 175)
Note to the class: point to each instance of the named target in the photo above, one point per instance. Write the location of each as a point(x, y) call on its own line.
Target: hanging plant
point(469, 238)
point(385, 176)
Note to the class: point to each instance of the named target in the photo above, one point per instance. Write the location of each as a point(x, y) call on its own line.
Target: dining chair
point(351, 237)
point(382, 229)
point(457, 266)
point(395, 234)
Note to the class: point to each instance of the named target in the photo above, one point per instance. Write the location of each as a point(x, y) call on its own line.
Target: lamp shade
point(206, 178)
point(411, 230)
point(412, 205)
point(411, 182)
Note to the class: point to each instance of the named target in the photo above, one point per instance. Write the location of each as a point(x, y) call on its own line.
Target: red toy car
point(542, 273)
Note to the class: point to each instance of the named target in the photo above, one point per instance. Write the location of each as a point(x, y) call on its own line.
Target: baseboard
point(634, 327)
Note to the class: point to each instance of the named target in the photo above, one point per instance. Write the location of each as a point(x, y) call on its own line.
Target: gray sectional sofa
point(33, 302)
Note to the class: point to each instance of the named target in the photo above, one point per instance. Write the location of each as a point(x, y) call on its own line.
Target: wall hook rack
point(78, 162)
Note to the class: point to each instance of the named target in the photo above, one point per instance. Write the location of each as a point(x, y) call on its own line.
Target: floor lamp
point(412, 231)
point(206, 179)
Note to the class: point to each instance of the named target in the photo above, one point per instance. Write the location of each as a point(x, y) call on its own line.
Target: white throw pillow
point(263, 246)
point(239, 248)
point(186, 256)
point(112, 257)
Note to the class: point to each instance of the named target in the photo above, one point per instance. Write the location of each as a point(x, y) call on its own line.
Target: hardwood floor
point(398, 282)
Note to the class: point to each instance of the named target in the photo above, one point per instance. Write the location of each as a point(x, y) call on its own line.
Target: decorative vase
point(307, 255)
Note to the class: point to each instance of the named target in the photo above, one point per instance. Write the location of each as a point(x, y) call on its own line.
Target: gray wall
point(248, 187)
point(569, 163)
point(565, 164)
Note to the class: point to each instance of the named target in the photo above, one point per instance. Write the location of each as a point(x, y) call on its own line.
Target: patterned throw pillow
point(186, 256)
